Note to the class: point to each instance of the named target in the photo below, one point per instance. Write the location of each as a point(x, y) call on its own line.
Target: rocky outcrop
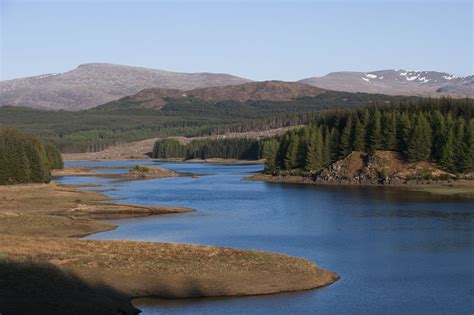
point(140, 171)
point(380, 168)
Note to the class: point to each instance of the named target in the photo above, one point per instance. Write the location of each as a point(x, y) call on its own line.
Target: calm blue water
point(396, 251)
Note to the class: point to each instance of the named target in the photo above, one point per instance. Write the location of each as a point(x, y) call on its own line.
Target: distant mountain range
point(397, 82)
point(90, 85)
point(94, 84)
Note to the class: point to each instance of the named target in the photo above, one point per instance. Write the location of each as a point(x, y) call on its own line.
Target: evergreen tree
point(345, 141)
point(326, 150)
point(25, 159)
point(314, 156)
point(389, 132)
point(468, 161)
point(419, 146)
point(403, 132)
point(439, 134)
point(333, 144)
point(359, 136)
point(460, 147)
point(291, 156)
point(303, 141)
point(375, 131)
point(446, 153)
point(269, 153)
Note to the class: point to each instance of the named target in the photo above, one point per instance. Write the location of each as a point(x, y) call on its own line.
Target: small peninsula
point(45, 268)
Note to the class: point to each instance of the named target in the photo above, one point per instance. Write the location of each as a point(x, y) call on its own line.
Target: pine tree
point(460, 147)
point(345, 140)
point(469, 141)
point(326, 150)
point(25, 159)
point(333, 144)
point(403, 132)
point(359, 136)
point(446, 154)
point(314, 156)
point(375, 131)
point(389, 132)
point(269, 153)
point(291, 156)
point(419, 146)
point(439, 134)
point(365, 117)
point(304, 136)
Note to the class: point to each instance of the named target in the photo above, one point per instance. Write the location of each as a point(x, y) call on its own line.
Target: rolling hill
point(251, 91)
point(93, 84)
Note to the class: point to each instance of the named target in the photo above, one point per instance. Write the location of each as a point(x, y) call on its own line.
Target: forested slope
point(26, 159)
point(440, 131)
point(96, 129)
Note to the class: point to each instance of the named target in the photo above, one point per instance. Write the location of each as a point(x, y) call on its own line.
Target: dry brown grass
point(43, 270)
point(169, 270)
point(54, 210)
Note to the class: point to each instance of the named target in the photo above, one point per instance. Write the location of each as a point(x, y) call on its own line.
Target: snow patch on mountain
point(449, 77)
point(47, 75)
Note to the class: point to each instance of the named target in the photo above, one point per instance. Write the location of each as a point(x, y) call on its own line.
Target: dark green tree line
point(236, 148)
point(25, 159)
point(437, 131)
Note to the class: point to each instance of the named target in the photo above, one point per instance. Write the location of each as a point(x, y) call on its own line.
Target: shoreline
point(171, 160)
point(461, 188)
point(41, 227)
point(134, 172)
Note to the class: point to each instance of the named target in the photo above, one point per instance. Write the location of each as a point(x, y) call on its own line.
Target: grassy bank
point(44, 269)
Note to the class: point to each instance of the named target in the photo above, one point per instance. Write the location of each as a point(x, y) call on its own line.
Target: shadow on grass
point(27, 288)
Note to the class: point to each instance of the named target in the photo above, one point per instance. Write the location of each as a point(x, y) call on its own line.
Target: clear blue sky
point(254, 39)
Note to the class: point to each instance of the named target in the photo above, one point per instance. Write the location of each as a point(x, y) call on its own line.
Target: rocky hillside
point(93, 84)
point(257, 91)
point(397, 82)
point(381, 167)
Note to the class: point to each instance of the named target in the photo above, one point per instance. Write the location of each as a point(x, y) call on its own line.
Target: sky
point(259, 40)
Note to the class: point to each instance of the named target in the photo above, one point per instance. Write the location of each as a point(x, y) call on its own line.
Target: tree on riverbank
point(440, 131)
point(25, 159)
point(238, 148)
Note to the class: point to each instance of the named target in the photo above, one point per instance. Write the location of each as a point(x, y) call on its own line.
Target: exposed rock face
point(397, 82)
point(93, 84)
point(380, 167)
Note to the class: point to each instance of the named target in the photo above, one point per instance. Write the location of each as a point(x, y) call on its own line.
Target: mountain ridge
point(396, 82)
point(250, 91)
point(93, 84)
